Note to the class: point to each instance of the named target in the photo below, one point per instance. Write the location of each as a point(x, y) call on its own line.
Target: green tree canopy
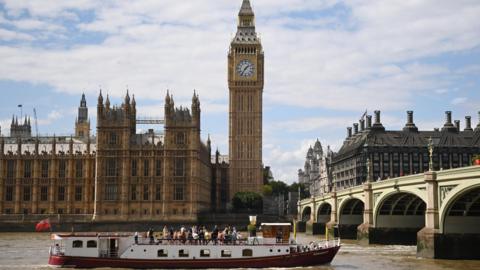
point(303, 191)
point(279, 188)
point(267, 190)
point(247, 202)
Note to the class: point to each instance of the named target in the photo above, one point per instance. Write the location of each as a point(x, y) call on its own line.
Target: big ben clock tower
point(245, 81)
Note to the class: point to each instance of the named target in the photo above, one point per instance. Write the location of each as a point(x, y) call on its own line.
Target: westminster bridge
point(439, 211)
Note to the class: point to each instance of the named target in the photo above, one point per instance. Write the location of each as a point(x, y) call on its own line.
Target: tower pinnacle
point(246, 9)
point(246, 17)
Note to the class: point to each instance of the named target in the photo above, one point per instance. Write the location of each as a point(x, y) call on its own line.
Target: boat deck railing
point(224, 242)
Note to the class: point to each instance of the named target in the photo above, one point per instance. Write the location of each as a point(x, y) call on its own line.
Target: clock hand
point(244, 69)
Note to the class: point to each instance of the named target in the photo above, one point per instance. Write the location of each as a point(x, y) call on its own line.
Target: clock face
point(245, 68)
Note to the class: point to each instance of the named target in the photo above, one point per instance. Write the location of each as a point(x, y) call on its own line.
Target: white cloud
point(48, 9)
point(157, 45)
point(368, 54)
point(459, 100)
point(7, 35)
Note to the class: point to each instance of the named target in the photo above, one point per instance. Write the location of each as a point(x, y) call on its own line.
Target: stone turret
point(100, 107)
point(169, 108)
point(21, 130)
point(82, 125)
point(317, 148)
point(196, 109)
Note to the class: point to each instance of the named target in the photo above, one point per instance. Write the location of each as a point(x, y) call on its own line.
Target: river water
point(30, 251)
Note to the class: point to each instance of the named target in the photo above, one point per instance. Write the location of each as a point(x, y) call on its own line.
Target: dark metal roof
point(380, 138)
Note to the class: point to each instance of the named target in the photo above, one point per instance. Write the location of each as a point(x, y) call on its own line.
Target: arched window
point(91, 244)
point(247, 253)
point(77, 244)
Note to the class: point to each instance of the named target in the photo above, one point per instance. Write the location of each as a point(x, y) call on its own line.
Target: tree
point(267, 190)
point(279, 188)
point(267, 175)
point(247, 202)
point(304, 193)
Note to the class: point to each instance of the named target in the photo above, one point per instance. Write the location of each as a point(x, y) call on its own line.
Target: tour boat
point(275, 248)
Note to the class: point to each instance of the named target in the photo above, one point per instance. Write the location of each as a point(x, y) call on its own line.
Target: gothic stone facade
point(123, 176)
point(46, 176)
point(245, 81)
point(144, 176)
point(316, 174)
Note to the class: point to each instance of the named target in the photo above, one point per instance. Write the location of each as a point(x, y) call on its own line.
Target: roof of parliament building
point(375, 135)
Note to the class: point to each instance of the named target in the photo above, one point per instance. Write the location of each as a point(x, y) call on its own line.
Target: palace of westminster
point(119, 175)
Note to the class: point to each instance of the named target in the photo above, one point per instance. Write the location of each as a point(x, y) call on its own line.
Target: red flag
point(43, 225)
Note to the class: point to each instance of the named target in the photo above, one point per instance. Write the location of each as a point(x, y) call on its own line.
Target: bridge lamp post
point(430, 151)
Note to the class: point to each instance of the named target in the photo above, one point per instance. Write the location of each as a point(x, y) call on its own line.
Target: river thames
point(30, 251)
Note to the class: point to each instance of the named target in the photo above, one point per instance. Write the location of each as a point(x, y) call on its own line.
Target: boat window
point(77, 244)
point(247, 253)
point(91, 244)
point(226, 253)
point(162, 253)
point(205, 253)
point(183, 253)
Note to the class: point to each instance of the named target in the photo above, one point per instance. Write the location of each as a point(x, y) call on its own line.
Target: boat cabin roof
point(275, 224)
point(59, 236)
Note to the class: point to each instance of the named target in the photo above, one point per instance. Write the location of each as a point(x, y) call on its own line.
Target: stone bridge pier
point(452, 221)
point(439, 212)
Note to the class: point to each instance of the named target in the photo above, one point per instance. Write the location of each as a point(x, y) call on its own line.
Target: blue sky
point(326, 63)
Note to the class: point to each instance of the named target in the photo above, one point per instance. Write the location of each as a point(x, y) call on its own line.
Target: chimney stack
point(410, 126)
point(478, 125)
point(349, 132)
point(448, 117)
point(409, 117)
point(355, 128)
point(457, 125)
point(378, 124)
point(448, 126)
point(362, 124)
point(369, 121)
point(468, 123)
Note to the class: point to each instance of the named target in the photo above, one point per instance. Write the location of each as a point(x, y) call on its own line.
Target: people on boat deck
point(165, 232)
point(193, 235)
point(150, 235)
point(215, 234)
